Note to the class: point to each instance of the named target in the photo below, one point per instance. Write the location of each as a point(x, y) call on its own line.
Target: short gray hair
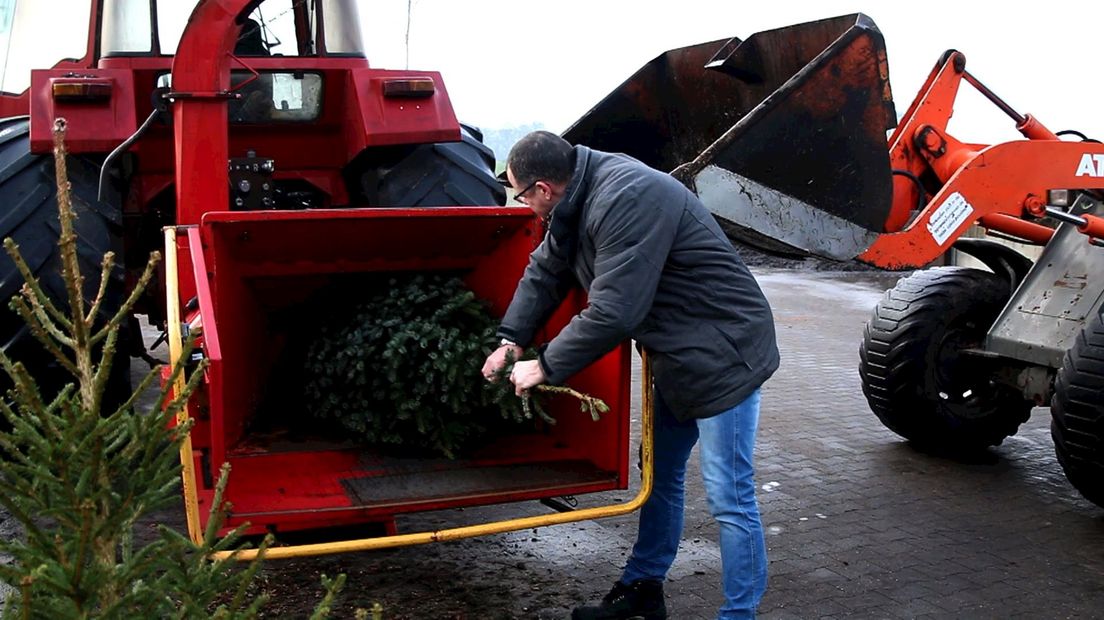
point(541, 155)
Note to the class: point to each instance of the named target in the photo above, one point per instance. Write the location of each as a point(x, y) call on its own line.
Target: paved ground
point(859, 523)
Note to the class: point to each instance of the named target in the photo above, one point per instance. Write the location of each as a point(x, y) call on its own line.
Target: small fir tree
point(77, 478)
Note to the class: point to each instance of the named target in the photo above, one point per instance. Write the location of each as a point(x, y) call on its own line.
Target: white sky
point(510, 63)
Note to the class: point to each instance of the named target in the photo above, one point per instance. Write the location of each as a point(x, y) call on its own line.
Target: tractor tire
point(1077, 412)
point(443, 174)
point(914, 375)
point(29, 203)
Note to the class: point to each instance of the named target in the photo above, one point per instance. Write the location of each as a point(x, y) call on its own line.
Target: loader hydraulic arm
point(1003, 187)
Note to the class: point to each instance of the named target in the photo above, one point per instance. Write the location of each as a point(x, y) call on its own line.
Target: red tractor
point(783, 136)
point(311, 126)
point(279, 162)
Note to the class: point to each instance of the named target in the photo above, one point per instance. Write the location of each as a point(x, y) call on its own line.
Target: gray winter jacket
point(656, 268)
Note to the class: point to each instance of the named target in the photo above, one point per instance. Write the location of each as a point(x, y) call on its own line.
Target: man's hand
point(495, 361)
point(526, 375)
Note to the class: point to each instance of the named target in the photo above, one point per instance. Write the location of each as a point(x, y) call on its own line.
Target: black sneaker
point(641, 600)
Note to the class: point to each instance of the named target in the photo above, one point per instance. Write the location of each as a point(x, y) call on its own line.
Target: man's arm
point(543, 286)
point(633, 241)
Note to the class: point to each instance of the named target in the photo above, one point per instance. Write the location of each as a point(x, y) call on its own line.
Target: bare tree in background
point(409, 10)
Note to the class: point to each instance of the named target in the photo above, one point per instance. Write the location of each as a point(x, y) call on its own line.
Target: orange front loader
point(783, 136)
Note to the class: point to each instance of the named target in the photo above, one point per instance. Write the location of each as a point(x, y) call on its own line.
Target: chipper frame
point(783, 136)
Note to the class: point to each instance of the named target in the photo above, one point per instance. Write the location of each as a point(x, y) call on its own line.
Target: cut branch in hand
point(530, 405)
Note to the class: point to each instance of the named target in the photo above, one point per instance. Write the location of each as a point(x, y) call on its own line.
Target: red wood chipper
point(273, 161)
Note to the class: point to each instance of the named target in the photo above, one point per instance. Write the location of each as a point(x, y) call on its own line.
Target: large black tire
point(29, 215)
point(1077, 412)
point(430, 175)
point(913, 373)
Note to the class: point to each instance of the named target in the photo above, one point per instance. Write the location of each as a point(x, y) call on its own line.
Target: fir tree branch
point(40, 333)
point(530, 403)
point(144, 385)
point(102, 372)
point(106, 267)
point(27, 396)
point(181, 400)
point(7, 492)
point(217, 511)
point(83, 544)
point(247, 578)
point(332, 587)
point(128, 304)
point(175, 371)
point(70, 269)
point(28, 277)
point(590, 404)
point(34, 310)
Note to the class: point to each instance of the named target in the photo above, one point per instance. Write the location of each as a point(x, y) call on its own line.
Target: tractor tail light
point(81, 90)
point(409, 88)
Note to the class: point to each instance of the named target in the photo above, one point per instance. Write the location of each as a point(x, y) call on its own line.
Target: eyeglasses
point(527, 189)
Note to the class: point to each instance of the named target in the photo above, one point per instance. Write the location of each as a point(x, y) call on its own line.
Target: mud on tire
point(1077, 412)
point(913, 374)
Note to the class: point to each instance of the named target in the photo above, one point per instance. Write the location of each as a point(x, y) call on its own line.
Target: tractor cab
point(276, 75)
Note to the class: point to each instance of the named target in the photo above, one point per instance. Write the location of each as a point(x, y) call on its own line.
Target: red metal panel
point(94, 126)
point(376, 120)
point(212, 350)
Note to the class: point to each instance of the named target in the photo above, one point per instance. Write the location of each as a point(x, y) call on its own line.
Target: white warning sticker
point(948, 217)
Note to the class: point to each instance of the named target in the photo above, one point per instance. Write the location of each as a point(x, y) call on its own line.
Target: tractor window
point(126, 27)
point(276, 97)
point(274, 26)
point(343, 36)
point(269, 31)
point(32, 37)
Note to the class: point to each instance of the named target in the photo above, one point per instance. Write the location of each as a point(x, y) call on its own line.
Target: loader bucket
point(783, 135)
point(254, 270)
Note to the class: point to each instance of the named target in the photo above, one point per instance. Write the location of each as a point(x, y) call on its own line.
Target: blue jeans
point(727, 443)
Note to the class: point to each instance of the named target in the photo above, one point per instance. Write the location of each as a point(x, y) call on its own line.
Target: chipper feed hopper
point(784, 137)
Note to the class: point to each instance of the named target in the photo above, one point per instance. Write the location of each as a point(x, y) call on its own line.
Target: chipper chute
point(783, 135)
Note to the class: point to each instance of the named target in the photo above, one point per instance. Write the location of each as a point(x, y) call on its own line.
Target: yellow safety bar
point(400, 540)
point(176, 350)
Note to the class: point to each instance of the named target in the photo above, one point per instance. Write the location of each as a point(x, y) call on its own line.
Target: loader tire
point(443, 174)
point(914, 375)
point(1077, 412)
point(29, 215)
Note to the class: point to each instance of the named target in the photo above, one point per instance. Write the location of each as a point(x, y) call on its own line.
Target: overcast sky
point(514, 62)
